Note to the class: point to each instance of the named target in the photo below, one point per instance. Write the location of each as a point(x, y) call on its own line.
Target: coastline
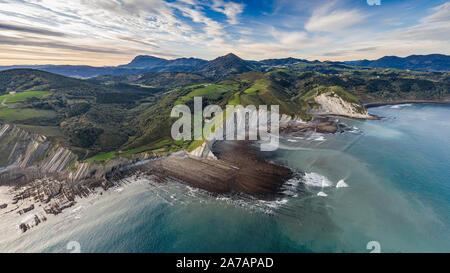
point(238, 169)
point(378, 104)
point(301, 213)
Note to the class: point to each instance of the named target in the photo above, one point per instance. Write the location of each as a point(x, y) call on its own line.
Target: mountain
point(81, 71)
point(281, 62)
point(30, 79)
point(144, 61)
point(232, 64)
point(432, 62)
point(187, 62)
point(140, 64)
point(226, 65)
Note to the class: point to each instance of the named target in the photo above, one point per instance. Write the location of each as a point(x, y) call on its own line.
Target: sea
point(382, 185)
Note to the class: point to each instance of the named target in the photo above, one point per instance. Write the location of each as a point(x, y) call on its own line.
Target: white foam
point(398, 106)
point(27, 218)
point(290, 187)
point(320, 138)
point(316, 180)
point(341, 184)
point(77, 208)
point(322, 194)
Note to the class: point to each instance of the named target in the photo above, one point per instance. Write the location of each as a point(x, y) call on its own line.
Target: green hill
point(121, 116)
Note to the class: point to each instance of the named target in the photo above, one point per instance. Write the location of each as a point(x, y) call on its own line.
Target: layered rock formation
point(331, 103)
point(37, 170)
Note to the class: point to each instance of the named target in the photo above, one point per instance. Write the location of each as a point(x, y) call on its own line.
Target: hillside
point(432, 62)
point(170, 80)
point(86, 116)
point(226, 65)
point(111, 116)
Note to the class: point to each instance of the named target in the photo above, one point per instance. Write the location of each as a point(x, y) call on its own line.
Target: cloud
point(326, 19)
point(146, 42)
point(29, 29)
point(230, 9)
point(36, 42)
point(111, 32)
point(441, 15)
point(292, 38)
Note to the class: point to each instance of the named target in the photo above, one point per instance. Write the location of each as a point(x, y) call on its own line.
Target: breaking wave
point(316, 180)
point(398, 106)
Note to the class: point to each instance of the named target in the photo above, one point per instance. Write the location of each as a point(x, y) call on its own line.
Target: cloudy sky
point(111, 32)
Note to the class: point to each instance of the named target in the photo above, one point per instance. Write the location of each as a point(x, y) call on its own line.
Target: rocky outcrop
point(45, 178)
point(26, 156)
point(203, 151)
point(331, 103)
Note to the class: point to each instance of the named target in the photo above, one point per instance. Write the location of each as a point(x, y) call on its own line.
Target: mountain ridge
point(231, 64)
point(430, 62)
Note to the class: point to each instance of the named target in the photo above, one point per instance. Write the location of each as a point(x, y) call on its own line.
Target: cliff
point(25, 156)
point(38, 170)
point(332, 103)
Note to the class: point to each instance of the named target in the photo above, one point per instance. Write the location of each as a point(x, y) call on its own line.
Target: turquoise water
point(398, 174)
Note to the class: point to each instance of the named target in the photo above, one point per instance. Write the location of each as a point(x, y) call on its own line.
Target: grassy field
point(24, 114)
point(101, 158)
point(165, 145)
point(235, 100)
point(309, 96)
point(259, 85)
point(213, 91)
point(51, 131)
point(17, 98)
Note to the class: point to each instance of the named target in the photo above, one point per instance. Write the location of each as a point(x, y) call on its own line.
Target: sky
point(112, 32)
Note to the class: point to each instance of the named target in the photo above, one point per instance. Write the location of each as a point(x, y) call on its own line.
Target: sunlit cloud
point(327, 19)
point(112, 32)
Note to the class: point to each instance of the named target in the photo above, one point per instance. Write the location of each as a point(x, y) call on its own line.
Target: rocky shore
point(237, 169)
point(36, 186)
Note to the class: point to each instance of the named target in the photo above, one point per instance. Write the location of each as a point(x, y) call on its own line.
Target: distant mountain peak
point(226, 65)
point(431, 62)
point(230, 56)
point(149, 57)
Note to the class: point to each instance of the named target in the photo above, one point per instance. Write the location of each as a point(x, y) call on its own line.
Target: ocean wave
point(322, 194)
point(341, 184)
point(316, 180)
point(320, 138)
point(290, 187)
point(77, 209)
point(398, 106)
point(355, 130)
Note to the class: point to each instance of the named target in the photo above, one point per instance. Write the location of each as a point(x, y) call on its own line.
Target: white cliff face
point(332, 103)
point(203, 152)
